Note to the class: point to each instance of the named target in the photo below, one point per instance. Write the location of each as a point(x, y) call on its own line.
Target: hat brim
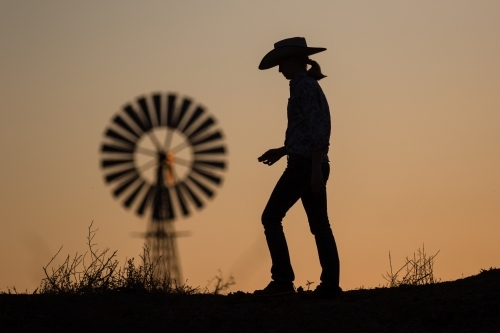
point(273, 57)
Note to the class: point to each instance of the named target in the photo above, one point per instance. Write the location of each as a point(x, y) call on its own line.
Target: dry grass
point(98, 271)
point(416, 271)
point(219, 284)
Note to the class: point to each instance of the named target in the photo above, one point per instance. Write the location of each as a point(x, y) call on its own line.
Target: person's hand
point(272, 156)
point(318, 183)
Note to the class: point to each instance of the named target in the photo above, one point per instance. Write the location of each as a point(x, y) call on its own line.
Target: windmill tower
point(163, 156)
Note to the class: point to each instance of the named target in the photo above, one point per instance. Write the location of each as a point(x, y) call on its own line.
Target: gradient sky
point(413, 88)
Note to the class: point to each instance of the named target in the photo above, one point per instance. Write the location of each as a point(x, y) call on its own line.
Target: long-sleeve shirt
point(309, 122)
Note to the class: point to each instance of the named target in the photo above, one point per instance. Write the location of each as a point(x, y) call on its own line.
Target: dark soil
point(466, 305)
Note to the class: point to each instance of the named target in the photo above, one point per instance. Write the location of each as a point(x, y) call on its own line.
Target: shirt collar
point(297, 78)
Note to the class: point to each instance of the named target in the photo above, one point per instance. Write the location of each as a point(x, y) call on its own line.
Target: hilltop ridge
point(470, 304)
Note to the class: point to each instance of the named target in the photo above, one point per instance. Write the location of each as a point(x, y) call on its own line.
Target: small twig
point(308, 284)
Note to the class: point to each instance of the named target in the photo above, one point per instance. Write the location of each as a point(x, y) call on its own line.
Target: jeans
point(295, 184)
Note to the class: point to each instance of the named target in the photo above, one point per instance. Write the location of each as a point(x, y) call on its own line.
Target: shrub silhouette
point(417, 271)
point(98, 271)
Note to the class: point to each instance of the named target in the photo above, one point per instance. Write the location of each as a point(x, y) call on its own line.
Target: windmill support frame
point(161, 237)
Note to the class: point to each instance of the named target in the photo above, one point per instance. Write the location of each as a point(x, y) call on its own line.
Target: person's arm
point(272, 155)
point(317, 181)
point(318, 120)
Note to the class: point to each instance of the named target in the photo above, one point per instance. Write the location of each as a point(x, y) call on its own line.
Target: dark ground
point(467, 305)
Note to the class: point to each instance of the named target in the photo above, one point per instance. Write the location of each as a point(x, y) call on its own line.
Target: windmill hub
point(162, 156)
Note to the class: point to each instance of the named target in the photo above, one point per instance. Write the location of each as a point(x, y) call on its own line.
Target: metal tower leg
point(163, 244)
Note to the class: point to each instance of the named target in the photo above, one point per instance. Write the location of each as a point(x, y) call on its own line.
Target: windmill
point(163, 155)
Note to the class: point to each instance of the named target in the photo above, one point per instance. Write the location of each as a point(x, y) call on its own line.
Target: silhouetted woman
point(306, 146)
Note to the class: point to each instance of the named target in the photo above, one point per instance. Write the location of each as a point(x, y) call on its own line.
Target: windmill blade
point(196, 114)
point(186, 103)
point(198, 203)
point(216, 150)
point(130, 199)
point(157, 106)
point(170, 109)
point(143, 104)
point(122, 124)
point(124, 185)
point(146, 200)
point(212, 137)
point(117, 136)
point(147, 119)
point(202, 128)
point(111, 163)
point(214, 164)
point(115, 175)
point(115, 149)
point(202, 187)
point(129, 110)
point(182, 201)
point(208, 176)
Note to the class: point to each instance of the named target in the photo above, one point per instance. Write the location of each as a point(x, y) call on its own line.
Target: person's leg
point(286, 193)
point(317, 214)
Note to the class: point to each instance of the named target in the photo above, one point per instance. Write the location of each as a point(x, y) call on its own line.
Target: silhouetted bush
point(98, 271)
point(416, 271)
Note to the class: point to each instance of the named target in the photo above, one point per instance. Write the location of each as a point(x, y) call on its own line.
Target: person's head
point(294, 65)
point(292, 57)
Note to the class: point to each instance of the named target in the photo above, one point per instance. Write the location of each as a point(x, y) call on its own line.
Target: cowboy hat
point(287, 48)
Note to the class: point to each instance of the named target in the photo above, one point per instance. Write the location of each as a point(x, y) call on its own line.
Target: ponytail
point(315, 70)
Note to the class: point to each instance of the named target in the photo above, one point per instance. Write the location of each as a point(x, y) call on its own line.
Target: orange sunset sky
point(413, 88)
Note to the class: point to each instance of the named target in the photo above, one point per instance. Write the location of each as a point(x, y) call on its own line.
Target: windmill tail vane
point(170, 161)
